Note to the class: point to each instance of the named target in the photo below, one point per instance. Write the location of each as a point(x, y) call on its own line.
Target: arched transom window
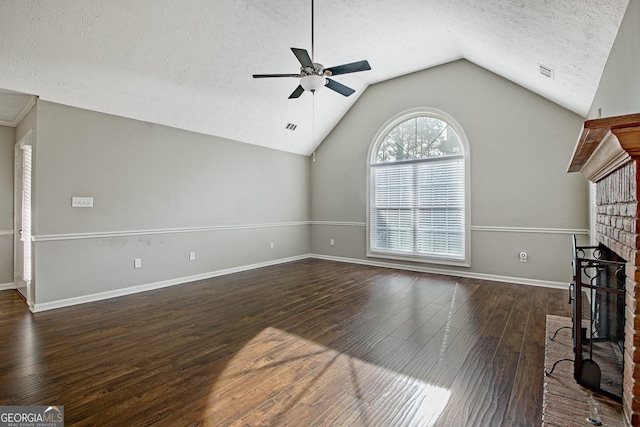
point(418, 190)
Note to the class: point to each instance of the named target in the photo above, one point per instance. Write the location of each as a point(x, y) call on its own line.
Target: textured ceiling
point(188, 64)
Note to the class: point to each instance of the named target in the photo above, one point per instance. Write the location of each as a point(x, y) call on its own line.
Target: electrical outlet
point(523, 257)
point(192, 256)
point(272, 245)
point(333, 242)
point(137, 263)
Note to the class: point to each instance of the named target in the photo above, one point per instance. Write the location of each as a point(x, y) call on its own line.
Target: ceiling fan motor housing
point(318, 70)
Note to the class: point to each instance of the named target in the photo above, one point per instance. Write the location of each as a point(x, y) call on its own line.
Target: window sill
point(420, 259)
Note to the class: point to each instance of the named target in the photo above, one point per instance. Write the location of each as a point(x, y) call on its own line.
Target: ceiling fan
point(314, 76)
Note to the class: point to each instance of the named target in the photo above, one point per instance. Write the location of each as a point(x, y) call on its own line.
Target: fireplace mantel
point(605, 145)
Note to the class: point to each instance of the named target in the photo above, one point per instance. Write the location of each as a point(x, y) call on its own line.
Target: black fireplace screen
point(597, 294)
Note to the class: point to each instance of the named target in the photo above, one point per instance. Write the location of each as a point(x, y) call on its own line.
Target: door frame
point(22, 256)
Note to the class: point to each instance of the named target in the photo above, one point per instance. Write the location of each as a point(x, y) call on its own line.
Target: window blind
point(417, 207)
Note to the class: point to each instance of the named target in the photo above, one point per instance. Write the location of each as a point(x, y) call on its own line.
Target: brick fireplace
point(608, 154)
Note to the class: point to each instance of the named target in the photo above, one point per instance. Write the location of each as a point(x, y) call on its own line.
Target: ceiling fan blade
point(354, 67)
point(262, 76)
point(339, 87)
point(296, 93)
point(303, 57)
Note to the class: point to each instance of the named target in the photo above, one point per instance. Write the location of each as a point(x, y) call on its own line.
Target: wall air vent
point(546, 71)
point(291, 126)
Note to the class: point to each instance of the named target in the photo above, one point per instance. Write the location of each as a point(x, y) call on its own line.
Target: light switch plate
point(81, 202)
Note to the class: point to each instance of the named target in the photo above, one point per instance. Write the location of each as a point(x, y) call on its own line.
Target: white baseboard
point(459, 273)
point(5, 286)
point(157, 285)
point(178, 281)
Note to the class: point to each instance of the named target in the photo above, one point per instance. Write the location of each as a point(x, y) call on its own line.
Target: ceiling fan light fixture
point(313, 82)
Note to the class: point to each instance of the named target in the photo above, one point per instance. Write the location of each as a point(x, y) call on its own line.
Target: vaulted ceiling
point(188, 63)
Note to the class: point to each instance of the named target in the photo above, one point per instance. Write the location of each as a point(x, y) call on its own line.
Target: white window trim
point(377, 139)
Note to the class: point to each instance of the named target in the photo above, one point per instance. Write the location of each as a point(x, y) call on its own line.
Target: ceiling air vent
point(546, 71)
point(291, 126)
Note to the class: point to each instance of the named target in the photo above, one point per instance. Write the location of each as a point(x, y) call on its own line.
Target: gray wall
point(619, 90)
point(7, 136)
point(520, 146)
point(149, 184)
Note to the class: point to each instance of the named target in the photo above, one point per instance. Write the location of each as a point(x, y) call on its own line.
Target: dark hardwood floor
point(306, 343)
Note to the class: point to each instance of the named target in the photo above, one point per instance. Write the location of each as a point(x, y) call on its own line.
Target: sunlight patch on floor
point(278, 377)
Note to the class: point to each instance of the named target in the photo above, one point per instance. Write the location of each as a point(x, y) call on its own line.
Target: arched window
point(418, 190)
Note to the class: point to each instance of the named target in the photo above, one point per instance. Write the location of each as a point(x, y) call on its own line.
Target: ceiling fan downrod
point(312, 31)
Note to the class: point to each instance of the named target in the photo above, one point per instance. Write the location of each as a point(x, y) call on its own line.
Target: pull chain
point(313, 126)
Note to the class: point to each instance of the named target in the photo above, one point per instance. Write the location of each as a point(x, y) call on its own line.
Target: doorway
point(22, 217)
